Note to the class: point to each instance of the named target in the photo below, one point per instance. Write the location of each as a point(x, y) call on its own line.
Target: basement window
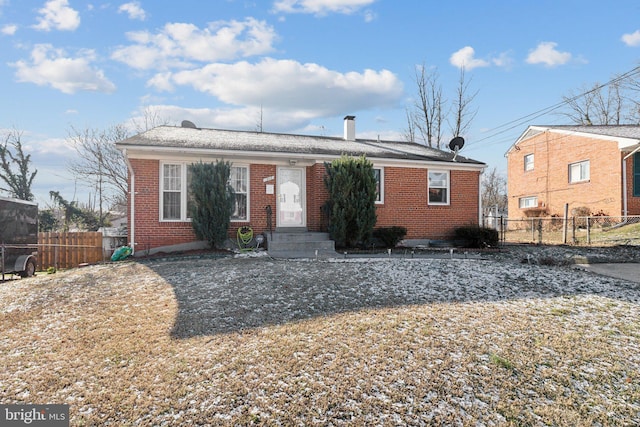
point(528, 202)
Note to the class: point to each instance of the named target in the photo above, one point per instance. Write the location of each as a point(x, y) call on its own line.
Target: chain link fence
point(575, 230)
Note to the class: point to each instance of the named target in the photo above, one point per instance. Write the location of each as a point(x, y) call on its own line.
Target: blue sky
point(304, 63)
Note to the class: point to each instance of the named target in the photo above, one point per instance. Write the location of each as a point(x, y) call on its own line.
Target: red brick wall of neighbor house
point(405, 203)
point(549, 179)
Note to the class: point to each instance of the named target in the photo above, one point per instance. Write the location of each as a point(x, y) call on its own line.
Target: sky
point(295, 66)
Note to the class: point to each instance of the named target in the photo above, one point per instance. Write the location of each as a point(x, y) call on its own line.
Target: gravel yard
point(481, 339)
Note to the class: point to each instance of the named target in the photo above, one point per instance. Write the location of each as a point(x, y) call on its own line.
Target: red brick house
point(595, 167)
point(280, 177)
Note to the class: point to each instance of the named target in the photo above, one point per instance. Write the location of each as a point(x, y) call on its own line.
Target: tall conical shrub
point(211, 201)
point(351, 184)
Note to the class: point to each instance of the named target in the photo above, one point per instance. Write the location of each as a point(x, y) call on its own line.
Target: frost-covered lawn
point(348, 342)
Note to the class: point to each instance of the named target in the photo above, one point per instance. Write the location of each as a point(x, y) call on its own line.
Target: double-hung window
point(175, 193)
point(239, 182)
point(579, 172)
point(379, 176)
point(438, 187)
point(173, 188)
point(528, 162)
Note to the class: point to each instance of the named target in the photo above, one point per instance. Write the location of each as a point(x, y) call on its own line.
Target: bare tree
point(430, 110)
point(427, 115)
point(613, 103)
point(17, 182)
point(579, 106)
point(150, 119)
point(410, 132)
point(461, 113)
point(99, 163)
point(494, 189)
point(631, 92)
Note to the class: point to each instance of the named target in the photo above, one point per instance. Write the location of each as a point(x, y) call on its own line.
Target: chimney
point(350, 128)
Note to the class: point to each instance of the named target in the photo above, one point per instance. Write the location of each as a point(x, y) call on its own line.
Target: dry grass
point(254, 341)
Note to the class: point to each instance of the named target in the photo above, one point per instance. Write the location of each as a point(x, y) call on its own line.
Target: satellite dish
point(188, 124)
point(456, 145)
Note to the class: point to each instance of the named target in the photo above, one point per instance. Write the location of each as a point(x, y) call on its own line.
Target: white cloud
point(50, 67)
point(286, 85)
point(57, 146)
point(246, 118)
point(133, 9)
point(465, 58)
point(547, 54)
point(632, 39)
point(178, 44)
point(56, 14)
point(370, 16)
point(503, 60)
point(9, 29)
point(320, 7)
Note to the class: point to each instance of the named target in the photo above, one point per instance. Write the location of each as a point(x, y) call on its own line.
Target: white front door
point(291, 209)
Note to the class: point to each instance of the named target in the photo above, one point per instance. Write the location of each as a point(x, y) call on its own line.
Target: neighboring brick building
point(428, 191)
point(592, 167)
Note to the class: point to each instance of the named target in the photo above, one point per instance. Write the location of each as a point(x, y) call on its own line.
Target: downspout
point(480, 197)
point(132, 200)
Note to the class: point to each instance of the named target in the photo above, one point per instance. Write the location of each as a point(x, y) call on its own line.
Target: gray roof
point(618, 131)
point(172, 137)
point(627, 135)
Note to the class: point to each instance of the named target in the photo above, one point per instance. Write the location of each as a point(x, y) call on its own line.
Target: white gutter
point(132, 200)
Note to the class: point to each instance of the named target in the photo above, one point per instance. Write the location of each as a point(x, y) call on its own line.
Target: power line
point(544, 111)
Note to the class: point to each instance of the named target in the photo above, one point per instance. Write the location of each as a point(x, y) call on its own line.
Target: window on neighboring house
point(379, 174)
point(636, 175)
point(238, 179)
point(579, 172)
point(176, 199)
point(528, 162)
point(438, 187)
point(528, 202)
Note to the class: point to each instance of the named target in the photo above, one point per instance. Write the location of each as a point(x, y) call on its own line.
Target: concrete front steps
point(300, 243)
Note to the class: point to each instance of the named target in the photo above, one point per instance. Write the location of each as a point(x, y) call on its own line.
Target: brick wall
point(405, 203)
point(149, 231)
point(549, 179)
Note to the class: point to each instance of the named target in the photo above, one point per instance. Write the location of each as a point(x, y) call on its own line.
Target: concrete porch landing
point(300, 244)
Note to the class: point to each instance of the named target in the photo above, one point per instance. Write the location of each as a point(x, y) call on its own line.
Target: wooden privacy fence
point(69, 250)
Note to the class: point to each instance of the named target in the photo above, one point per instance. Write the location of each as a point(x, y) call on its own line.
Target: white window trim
point(381, 201)
point(522, 199)
point(183, 192)
point(245, 166)
point(529, 166)
point(576, 181)
point(448, 187)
